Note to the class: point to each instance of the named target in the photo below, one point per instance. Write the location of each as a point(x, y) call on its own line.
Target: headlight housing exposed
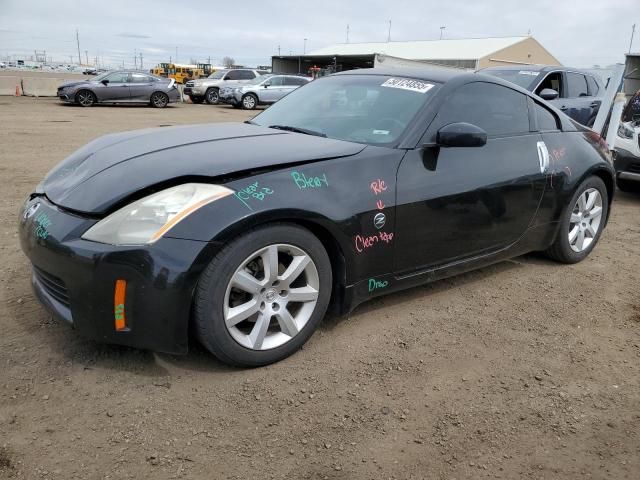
point(624, 131)
point(148, 219)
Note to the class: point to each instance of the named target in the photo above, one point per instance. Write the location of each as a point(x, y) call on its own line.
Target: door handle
point(543, 157)
point(594, 104)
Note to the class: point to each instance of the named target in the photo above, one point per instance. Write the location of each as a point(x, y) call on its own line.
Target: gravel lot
point(527, 369)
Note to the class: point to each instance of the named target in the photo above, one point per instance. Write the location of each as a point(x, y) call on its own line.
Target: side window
point(276, 81)
point(593, 86)
point(546, 120)
point(233, 75)
point(294, 81)
point(553, 81)
point(496, 109)
point(248, 75)
point(140, 78)
point(576, 85)
point(118, 77)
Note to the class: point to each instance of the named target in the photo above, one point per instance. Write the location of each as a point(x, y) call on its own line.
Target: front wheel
point(85, 98)
point(249, 101)
point(263, 295)
point(582, 222)
point(212, 96)
point(159, 100)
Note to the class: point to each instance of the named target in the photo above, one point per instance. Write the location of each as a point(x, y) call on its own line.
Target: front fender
point(333, 198)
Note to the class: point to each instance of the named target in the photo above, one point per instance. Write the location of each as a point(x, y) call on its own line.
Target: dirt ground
point(527, 369)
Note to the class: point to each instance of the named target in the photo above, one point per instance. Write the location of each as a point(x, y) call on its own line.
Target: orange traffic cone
point(18, 91)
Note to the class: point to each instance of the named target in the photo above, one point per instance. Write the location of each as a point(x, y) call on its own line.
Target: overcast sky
point(578, 33)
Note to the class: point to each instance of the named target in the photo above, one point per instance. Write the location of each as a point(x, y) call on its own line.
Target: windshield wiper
point(306, 131)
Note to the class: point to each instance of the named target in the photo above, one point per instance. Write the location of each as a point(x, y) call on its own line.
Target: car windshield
point(371, 109)
point(100, 77)
point(523, 78)
point(259, 79)
point(218, 75)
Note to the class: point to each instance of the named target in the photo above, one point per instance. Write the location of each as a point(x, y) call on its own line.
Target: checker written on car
point(263, 90)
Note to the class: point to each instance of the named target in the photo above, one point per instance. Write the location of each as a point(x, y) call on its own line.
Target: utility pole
point(135, 59)
point(389, 35)
point(78, 43)
point(441, 32)
point(633, 31)
point(141, 67)
point(278, 50)
point(347, 33)
point(304, 49)
point(86, 56)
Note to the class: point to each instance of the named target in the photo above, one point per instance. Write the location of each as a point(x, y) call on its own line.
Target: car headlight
point(148, 219)
point(624, 131)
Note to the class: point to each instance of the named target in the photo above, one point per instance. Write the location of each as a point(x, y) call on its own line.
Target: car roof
point(441, 75)
point(538, 68)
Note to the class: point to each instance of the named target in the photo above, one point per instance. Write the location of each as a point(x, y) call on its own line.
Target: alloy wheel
point(271, 297)
point(212, 96)
point(85, 98)
point(159, 100)
point(249, 102)
point(585, 221)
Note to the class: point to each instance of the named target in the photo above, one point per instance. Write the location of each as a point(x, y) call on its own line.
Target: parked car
point(577, 93)
point(247, 231)
point(207, 89)
point(121, 86)
point(263, 90)
point(627, 147)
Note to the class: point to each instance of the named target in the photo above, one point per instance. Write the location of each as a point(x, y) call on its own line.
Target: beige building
point(468, 53)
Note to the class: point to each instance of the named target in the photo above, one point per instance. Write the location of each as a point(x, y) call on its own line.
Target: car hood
point(106, 171)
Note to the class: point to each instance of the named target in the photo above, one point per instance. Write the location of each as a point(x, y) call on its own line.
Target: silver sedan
point(122, 86)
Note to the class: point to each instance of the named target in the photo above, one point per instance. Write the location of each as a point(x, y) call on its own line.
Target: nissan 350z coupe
point(353, 186)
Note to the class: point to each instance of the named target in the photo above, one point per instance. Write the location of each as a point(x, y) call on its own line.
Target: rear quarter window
point(547, 121)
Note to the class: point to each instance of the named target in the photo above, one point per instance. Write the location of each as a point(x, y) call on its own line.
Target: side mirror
point(104, 82)
point(461, 135)
point(267, 85)
point(549, 94)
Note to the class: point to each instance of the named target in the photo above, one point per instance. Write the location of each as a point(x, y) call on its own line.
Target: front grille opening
point(53, 285)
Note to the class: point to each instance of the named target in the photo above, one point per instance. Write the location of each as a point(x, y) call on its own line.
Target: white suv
point(627, 147)
point(209, 88)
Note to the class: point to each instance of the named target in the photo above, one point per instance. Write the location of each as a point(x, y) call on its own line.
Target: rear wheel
point(263, 295)
point(582, 222)
point(159, 99)
point(249, 101)
point(212, 96)
point(85, 98)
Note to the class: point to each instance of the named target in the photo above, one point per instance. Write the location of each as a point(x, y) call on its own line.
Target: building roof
point(460, 49)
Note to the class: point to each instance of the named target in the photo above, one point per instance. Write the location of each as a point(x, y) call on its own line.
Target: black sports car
point(353, 186)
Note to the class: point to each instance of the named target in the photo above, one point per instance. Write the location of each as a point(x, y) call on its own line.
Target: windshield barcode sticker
point(406, 84)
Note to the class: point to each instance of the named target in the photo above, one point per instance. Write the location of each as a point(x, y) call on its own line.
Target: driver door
point(456, 203)
point(116, 89)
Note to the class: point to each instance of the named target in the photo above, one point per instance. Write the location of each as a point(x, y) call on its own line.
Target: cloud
point(132, 35)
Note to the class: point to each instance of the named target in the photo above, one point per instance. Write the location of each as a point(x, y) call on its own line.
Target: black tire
point(628, 185)
point(197, 99)
point(212, 96)
point(212, 286)
point(249, 101)
point(159, 100)
point(86, 98)
point(561, 250)
point(237, 105)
